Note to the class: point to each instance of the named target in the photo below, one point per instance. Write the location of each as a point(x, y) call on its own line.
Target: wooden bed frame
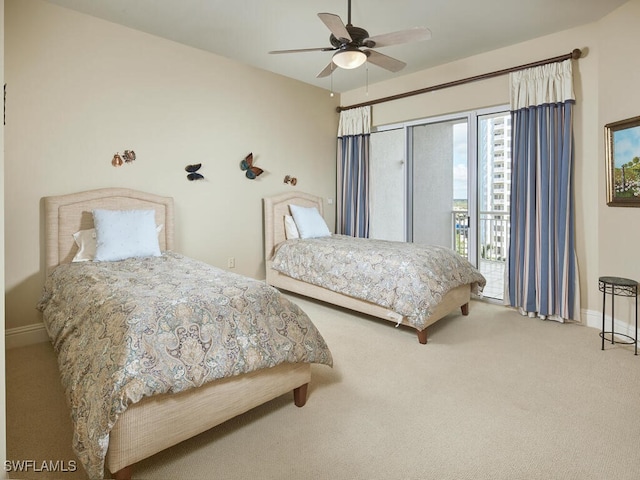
point(274, 210)
point(159, 422)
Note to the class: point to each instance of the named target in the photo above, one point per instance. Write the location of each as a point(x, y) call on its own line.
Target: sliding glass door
point(439, 197)
point(446, 181)
point(494, 191)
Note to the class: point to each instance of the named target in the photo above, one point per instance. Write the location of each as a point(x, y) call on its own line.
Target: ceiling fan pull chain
point(331, 94)
point(367, 82)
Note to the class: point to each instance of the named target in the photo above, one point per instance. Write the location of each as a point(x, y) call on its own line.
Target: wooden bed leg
point(124, 474)
point(300, 395)
point(465, 309)
point(422, 336)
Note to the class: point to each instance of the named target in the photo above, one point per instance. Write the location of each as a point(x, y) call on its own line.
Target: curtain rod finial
point(576, 54)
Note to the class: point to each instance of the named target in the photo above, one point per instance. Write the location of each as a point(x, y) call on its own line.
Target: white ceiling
point(245, 30)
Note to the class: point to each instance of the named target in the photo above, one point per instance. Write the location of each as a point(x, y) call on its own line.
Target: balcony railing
point(493, 241)
point(493, 234)
point(461, 232)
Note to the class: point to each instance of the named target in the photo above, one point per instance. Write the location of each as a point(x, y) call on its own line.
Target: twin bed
point(124, 406)
point(411, 285)
point(182, 346)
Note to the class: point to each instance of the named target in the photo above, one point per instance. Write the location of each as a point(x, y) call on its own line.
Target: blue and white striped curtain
point(542, 273)
point(354, 132)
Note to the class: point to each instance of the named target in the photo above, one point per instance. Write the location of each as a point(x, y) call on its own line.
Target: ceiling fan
point(353, 45)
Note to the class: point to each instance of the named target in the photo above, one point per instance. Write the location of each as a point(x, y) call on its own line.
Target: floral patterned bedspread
point(125, 330)
point(408, 278)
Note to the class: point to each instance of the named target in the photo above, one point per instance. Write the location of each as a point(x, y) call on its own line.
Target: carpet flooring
point(493, 395)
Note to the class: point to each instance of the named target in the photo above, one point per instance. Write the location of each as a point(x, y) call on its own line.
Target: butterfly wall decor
point(193, 172)
point(246, 165)
point(127, 157)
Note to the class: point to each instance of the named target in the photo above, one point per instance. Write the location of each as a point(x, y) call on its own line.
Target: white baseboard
point(27, 335)
point(591, 318)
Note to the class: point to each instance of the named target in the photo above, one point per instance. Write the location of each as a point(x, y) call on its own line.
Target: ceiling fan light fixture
point(349, 58)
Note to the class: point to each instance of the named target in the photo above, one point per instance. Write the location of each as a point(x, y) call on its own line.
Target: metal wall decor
point(127, 157)
point(290, 180)
point(193, 172)
point(246, 165)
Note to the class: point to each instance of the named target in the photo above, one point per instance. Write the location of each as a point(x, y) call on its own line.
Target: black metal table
point(621, 287)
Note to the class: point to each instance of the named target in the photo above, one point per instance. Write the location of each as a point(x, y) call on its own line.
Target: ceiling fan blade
point(327, 70)
point(384, 61)
point(416, 34)
point(297, 50)
point(336, 25)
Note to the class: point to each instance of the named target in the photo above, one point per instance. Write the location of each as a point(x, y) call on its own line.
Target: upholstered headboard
point(275, 208)
point(66, 214)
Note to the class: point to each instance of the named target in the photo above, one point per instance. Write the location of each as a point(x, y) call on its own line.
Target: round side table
point(621, 287)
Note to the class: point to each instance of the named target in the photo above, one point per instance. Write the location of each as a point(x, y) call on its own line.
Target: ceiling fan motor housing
point(358, 37)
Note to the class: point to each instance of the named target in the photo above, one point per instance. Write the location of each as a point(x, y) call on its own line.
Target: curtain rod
point(575, 54)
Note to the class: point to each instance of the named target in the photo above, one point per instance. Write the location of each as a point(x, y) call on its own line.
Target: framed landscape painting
point(622, 148)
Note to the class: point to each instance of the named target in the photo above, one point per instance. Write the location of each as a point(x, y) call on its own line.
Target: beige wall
point(618, 99)
point(3, 410)
point(606, 80)
point(81, 89)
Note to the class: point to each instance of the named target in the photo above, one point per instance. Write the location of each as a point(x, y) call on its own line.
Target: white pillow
point(124, 234)
point(309, 222)
point(86, 242)
point(290, 229)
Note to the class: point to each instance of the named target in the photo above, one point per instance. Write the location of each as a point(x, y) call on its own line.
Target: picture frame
point(622, 152)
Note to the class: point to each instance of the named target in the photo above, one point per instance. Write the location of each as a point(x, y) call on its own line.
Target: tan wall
point(618, 99)
point(605, 81)
point(81, 89)
point(3, 423)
